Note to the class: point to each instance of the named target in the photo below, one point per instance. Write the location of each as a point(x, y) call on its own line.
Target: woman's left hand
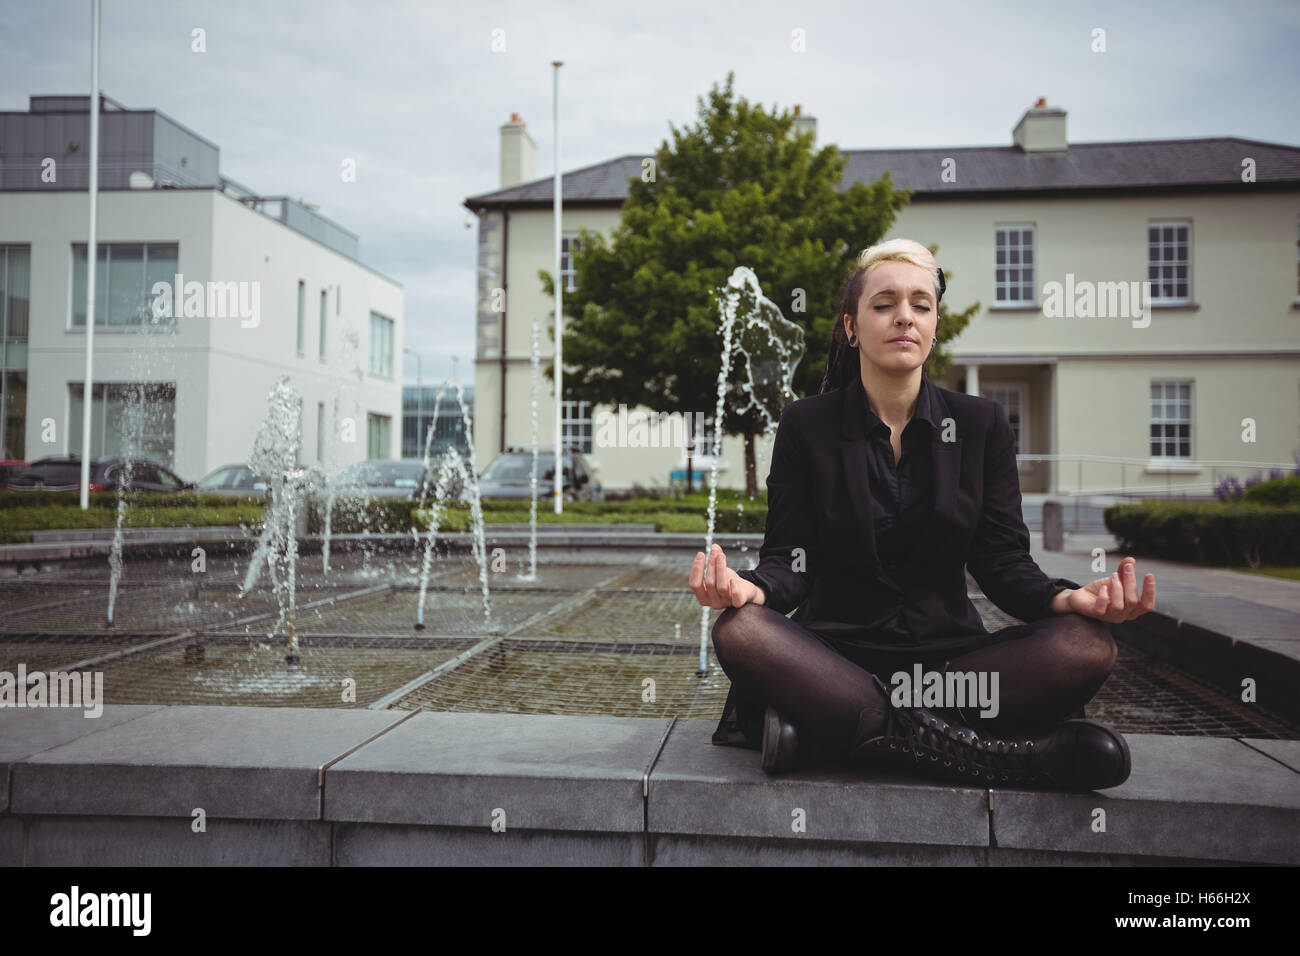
point(1115, 599)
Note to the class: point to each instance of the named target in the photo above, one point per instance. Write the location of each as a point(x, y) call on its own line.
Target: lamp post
point(419, 400)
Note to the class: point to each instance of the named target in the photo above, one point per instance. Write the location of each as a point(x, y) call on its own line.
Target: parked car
point(508, 475)
point(383, 478)
point(64, 474)
point(9, 468)
point(233, 480)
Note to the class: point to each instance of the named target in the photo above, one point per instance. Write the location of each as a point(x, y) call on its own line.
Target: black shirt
point(902, 497)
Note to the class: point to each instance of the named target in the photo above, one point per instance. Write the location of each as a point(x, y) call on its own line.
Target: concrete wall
point(146, 785)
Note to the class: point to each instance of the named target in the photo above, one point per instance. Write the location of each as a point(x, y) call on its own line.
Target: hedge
point(1279, 491)
point(1238, 532)
point(108, 499)
point(16, 524)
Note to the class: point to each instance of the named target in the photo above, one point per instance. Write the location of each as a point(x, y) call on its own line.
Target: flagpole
point(92, 256)
point(559, 284)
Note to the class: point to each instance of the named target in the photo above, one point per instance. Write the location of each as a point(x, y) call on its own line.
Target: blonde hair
point(842, 364)
point(901, 250)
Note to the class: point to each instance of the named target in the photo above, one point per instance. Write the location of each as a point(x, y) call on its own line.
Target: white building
point(278, 290)
point(1205, 387)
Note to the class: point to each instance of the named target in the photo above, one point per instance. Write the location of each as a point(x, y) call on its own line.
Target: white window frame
point(388, 344)
point(1177, 384)
point(576, 425)
point(1157, 282)
point(1024, 430)
point(1004, 285)
point(568, 274)
point(712, 444)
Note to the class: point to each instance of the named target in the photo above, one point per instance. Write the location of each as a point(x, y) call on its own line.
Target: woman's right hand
point(720, 586)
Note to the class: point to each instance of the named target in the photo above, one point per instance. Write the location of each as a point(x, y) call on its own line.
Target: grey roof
point(1171, 164)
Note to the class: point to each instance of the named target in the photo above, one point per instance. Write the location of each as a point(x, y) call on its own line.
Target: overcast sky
point(413, 91)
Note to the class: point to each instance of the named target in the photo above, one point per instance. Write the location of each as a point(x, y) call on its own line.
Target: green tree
point(738, 188)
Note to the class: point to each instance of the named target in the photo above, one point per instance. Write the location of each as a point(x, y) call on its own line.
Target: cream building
point(1113, 386)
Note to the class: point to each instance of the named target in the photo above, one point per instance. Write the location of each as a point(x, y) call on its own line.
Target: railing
point(1113, 466)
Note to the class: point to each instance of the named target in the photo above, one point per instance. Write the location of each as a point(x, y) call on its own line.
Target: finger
point(1116, 593)
point(1128, 572)
point(1102, 602)
point(719, 562)
point(697, 575)
point(1149, 592)
point(711, 579)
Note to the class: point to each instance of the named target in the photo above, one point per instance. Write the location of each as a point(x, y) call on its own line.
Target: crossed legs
point(1047, 669)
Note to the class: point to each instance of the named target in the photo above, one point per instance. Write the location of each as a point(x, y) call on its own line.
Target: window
point(1168, 262)
point(302, 325)
point(1014, 399)
point(15, 287)
point(378, 436)
point(1171, 419)
point(324, 312)
point(575, 425)
point(704, 444)
point(320, 432)
point(1013, 270)
point(381, 346)
point(135, 420)
point(1297, 258)
point(569, 243)
point(125, 274)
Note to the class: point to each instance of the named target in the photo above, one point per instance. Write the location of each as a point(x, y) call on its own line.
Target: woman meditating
point(884, 488)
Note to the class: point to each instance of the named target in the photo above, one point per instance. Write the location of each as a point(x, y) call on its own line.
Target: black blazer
point(819, 500)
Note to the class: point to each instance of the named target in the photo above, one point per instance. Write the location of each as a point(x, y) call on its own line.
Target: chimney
point(1041, 128)
point(804, 124)
point(518, 153)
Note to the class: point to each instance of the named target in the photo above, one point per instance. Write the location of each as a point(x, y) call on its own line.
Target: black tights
point(1047, 670)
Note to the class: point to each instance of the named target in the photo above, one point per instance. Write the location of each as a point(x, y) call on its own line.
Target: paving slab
point(11, 841)
point(234, 762)
point(700, 788)
point(378, 844)
point(1285, 752)
point(1207, 798)
point(534, 771)
point(152, 841)
point(25, 731)
point(679, 850)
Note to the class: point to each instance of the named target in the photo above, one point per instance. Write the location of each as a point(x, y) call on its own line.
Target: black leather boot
point(780, 743)
point(1079, 755)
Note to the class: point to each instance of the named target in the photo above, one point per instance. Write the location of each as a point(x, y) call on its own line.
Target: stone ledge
point(1221, 660)
point(542, 772)
point(296, 786)
point(237, 762)
point(702, 789)
point(1201, 797)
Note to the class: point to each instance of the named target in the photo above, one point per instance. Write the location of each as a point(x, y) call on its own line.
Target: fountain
point(274, 456)
point(751, 325)
point(461, 471)
point(132, 424)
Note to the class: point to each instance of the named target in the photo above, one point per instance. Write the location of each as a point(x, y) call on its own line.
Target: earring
point(853, 341)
